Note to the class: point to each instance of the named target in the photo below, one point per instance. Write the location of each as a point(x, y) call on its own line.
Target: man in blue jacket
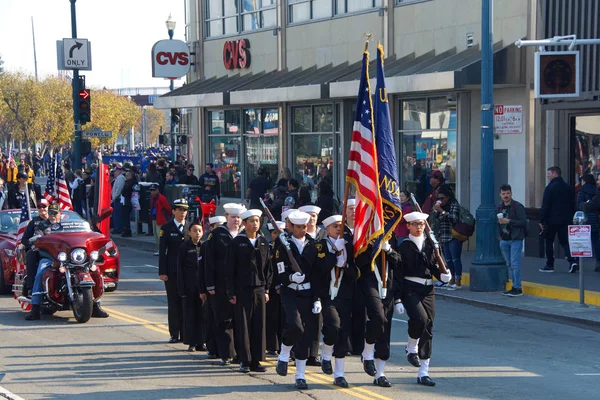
point(558, 206)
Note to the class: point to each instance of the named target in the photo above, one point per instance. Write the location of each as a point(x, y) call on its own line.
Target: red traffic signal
point(84, 94)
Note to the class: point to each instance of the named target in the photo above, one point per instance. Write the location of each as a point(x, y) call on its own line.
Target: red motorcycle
point(73, 282)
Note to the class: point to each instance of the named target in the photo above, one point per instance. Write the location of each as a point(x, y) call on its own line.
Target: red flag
point(363, 170)
point(104, 194)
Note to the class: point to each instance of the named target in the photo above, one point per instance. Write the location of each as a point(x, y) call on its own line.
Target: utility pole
point(77, 143)
point(488, 269)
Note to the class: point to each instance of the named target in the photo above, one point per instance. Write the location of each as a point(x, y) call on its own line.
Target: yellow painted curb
point(549, 291)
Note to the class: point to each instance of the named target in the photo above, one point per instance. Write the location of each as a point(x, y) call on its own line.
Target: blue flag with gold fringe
point(386, 155)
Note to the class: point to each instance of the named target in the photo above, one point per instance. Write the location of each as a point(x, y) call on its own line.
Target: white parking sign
point(580, 240)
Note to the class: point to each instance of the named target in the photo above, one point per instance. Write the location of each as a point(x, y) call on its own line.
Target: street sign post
point(96, 133)
point(580, 245)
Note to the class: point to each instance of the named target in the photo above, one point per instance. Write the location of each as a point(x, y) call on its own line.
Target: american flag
point(64, 199)
point(363, 170)
point(49, 192)
point(25, 216)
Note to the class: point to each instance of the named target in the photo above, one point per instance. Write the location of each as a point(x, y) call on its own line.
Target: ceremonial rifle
point(282, 237)
point(437, 253)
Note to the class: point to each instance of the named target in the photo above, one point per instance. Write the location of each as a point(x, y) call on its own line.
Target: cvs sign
point(236, 54)
point(170, 59)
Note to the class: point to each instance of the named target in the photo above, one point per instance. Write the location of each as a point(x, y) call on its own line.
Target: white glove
point(386, 246)
point(317, 307)
point(446, 277)
point(399, 308)
point(297, 277)
point(341, 260)
point(339, 244)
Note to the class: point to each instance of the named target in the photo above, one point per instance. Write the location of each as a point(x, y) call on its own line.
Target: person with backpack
point(447, 211)
point(512, 229)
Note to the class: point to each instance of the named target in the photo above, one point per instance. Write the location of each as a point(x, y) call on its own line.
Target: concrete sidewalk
point(548, 296)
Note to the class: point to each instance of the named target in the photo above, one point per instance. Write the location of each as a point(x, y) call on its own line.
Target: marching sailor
point(379, 302)
point(335, 256)
point(249, 276)
point(312, 229)
point(299, 297)
point(215, 268)
point(359, 314)
point(274, 309)
point(417, 294)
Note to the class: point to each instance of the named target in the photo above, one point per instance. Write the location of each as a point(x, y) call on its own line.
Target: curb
point(557, 318)
point(133, 243)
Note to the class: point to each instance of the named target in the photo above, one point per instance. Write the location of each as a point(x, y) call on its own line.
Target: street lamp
point(170, 22)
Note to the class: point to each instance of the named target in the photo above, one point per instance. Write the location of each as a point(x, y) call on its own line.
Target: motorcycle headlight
point(9, 252)
point(94, 255)
point(62, 256)
point(78, 256)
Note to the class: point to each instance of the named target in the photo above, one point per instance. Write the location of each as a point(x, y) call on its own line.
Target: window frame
point(239, 17)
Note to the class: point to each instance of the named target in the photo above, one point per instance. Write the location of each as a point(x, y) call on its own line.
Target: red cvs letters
point(164, 58)
point(236, 54)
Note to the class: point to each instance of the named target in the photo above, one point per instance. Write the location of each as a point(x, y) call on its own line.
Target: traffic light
point(175, 115)
point(163, 139)
point(85, 111)
point(182, 139)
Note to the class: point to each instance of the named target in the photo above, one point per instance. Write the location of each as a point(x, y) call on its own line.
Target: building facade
point(274, 85)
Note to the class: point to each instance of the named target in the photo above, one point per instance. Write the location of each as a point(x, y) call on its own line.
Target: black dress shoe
point(257, 367)
point(301, 384)
point(211, 356)
point(369, 367)
point(313, 362)
point(382, 381)
point(174, 339)
point(98, 312)
point(341, 382)
point(245, 367)
point(425, 380)
point(281, 368)
point(225, 361)
point(191, 348)
point(272, 353)
point(200, 347)
point(235, 360)
point(413, 359)
point(326, 367)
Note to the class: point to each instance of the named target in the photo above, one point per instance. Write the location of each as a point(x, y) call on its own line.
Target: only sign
point(170, 59)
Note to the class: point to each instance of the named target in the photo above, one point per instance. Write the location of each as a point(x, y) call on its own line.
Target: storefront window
point(587, 147)
point(323, 119)
point(313, 158)
point(261, 128)
point(224, 122)
point(429, 142)
point(302, 117)
point(225, 155)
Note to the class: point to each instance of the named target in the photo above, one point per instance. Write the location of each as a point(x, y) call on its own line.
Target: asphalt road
point(478, 354)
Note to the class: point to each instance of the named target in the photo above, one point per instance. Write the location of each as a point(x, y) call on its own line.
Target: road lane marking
point(310, 376)
point(597, 374)
point(139, 266)
point(9, 395)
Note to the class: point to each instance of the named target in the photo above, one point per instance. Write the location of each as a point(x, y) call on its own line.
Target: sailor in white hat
point(300, 302)
point(216, 221)
point(418, 270)
point(215, 266)
point(312, 229)
point(335, 260)
point(249, 276)
point(379, 303)
point(284, 218)
point(350, 208)
point(274, 309)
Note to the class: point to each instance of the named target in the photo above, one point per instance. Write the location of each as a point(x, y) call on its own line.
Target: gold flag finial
point(367, 36)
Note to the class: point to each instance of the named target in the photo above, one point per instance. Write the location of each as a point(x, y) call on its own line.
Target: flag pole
point(383, 254)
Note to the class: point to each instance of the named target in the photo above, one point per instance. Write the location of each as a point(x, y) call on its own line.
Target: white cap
point(234, 208)
point(351, 203)
point(331, 220)
point(217, 220)
point(299, 218)
point(310, 209)
point(280, 225)
point(250, 213)
point(416, 216)
point(286, 213)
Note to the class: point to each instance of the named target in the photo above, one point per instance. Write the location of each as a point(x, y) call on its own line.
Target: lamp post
point(170, 22)
point(488, 269)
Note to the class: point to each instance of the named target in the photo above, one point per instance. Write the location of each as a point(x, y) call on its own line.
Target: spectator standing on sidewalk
point(211, 185)
point(557, 213)
point(512, 225)
point(447, 210)
point(591, 207)
point(160, 210)
point(436, 180)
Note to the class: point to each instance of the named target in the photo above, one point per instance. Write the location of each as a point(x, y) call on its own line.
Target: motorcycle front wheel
point(83, 304)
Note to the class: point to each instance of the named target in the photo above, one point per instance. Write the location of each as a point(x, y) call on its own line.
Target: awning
point(428, 72)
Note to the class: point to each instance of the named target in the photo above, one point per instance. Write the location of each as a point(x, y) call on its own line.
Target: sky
point(121, 33)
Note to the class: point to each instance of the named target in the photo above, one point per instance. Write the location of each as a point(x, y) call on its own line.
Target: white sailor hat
point(310, 209)
point(299, 218)
point(351, 203)
point(331, 220)
point(217, 220)
point(280, 225)
point(181, 203)
point(416, 216)
point(287, 213)
point(234, 208)
point(250, 213)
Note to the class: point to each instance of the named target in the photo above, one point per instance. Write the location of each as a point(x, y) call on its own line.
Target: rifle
point(282, 237)
point(437, 253)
